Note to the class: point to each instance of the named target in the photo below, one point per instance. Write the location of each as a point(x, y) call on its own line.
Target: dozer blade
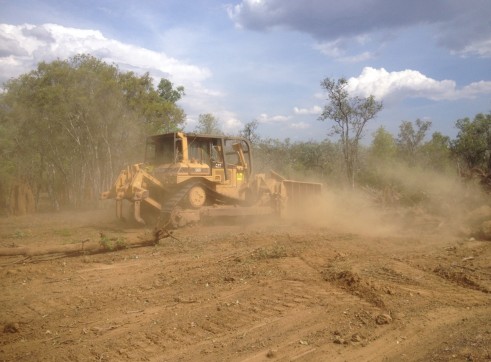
point(300, 194)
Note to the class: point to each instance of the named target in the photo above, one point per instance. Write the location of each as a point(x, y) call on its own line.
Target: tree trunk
point(22, 201)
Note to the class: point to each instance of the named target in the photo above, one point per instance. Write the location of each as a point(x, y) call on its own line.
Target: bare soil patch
point(283, 291)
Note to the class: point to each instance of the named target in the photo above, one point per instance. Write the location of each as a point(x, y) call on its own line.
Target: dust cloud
point(411, 201)
point(346, 211)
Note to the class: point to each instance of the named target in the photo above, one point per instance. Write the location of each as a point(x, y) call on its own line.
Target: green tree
point(156, 110)
point(167, 91)
point(350, 115)
point(313, 160)
point(208, 124)
point(410, 139)
point(73, 124)
point(383, 147)
point(473, 142)
point(302, 160)
point(437, 153)
point(272, 154)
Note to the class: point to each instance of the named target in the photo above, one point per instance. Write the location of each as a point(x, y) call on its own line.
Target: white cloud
point(475, 89)
point(303, 111)
point(411, 83)
point(30, 44)
point(337, 49)
point(265, 118)
point(300, 125)
point(232, 125)
point(481, 48)
point(333, 49)
point(229, 122)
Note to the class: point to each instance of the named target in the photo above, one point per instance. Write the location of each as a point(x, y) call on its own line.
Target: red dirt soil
point(284, 291)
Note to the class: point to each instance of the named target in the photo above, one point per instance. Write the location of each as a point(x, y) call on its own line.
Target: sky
point(264, 60)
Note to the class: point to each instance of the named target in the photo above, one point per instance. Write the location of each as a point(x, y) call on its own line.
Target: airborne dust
point(412, 201)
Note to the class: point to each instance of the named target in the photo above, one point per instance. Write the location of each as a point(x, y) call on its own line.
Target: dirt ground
point(266, 291)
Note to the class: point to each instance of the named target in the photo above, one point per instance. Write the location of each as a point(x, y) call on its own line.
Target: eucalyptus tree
point(250, 133)
point(167, 91)
point(410, 139)
point(350, 115)
point(208, 124)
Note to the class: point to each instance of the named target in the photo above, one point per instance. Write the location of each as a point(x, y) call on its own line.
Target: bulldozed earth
point(261, 290)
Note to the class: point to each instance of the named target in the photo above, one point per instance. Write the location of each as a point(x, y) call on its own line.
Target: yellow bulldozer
point(188, 177)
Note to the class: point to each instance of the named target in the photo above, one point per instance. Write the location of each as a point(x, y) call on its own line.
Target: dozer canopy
point(210, 151)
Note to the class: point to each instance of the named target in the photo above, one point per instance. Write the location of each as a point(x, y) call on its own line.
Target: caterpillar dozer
point(187, 177)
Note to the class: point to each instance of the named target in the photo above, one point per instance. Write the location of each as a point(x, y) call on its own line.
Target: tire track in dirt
point(229, 294)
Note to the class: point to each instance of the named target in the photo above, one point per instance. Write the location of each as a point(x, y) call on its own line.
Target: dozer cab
point(187, 177)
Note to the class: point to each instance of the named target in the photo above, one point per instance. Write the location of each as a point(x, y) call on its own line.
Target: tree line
point(69, 126)
point(412, 147)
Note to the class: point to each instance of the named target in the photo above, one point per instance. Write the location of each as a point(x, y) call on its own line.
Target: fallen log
point(85, 247)
point(82, 248)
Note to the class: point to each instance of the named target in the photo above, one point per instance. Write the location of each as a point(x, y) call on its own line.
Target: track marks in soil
point(459, 277)
point(224, 294)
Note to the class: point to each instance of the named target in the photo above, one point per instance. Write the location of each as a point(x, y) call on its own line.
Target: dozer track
point(171, 208)
point(170, 205)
